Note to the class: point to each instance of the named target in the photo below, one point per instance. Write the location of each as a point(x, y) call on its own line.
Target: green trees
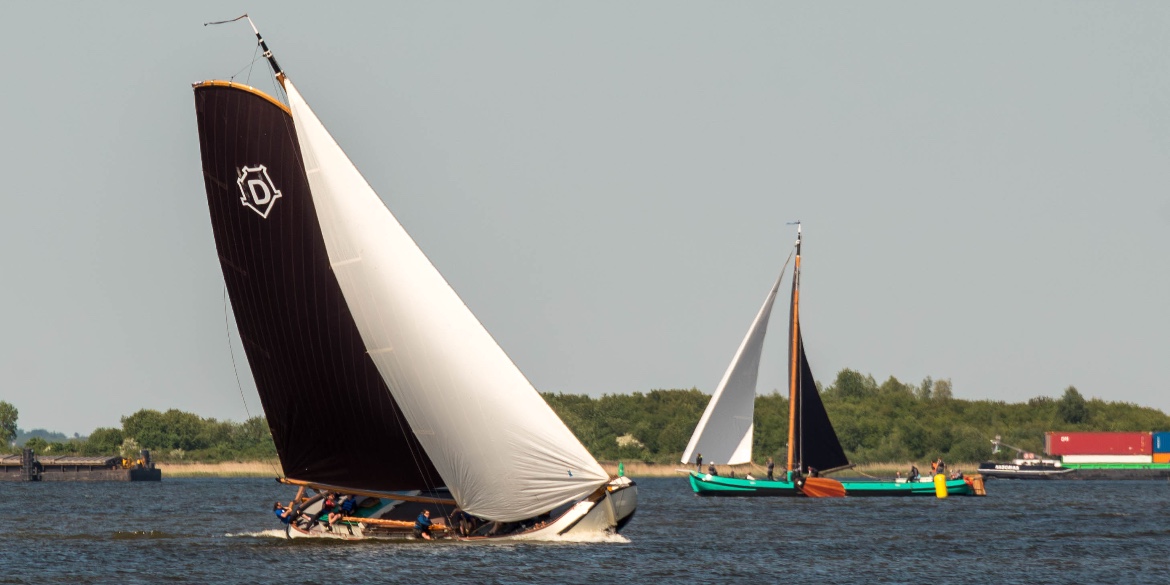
point(1072, 407)
point(8, 414)
point(887, 422)
point(175, 434)
point(172, 435)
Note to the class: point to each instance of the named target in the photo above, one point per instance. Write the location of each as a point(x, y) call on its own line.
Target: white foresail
point(502, 451)
point(724, 433)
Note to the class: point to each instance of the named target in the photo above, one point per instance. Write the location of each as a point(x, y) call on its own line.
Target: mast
point(793, 356)
point(276, 70)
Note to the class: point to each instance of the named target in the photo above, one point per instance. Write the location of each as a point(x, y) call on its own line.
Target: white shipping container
point(1108, 458)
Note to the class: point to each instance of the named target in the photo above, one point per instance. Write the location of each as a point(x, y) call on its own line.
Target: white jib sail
point(724, 433)
point(502, 451)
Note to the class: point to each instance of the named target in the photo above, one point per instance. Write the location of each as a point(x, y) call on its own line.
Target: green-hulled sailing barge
point(724, 432)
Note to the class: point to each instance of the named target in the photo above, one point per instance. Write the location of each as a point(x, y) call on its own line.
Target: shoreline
point(633, 469)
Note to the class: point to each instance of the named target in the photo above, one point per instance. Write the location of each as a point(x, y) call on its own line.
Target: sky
point(983, 188)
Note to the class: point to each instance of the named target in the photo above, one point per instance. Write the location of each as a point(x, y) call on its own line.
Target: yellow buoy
point(940, 486)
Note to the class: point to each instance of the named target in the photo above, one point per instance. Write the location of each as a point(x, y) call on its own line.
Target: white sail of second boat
point(724, 433)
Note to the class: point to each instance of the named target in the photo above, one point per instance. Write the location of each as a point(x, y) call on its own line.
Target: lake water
point(220, 531)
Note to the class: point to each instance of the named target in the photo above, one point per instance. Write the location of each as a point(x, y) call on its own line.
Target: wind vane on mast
point(276, 70)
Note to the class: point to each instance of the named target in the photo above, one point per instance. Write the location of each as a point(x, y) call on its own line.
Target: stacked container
point(1103, 447)
point(1162, 447)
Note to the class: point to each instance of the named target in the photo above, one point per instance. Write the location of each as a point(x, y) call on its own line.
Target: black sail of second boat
point(812, 441)
point(332, 417)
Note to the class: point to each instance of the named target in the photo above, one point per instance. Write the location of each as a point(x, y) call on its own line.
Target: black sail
point(332, 416)
point(817, 443)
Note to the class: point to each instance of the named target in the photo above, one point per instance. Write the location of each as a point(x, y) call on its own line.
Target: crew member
point(422, 525)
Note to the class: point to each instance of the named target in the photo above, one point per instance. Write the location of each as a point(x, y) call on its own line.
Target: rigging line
point(252, 65)
point(228, 332)
point(248, 67)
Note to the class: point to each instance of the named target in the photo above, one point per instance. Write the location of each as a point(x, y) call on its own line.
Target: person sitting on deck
point(422, 525)
point(326, 510)
point(343, 508)
point(461, 522)
point(913, 475)
point(711, 469)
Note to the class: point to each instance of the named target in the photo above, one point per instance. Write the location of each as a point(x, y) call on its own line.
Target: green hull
point(708, 485)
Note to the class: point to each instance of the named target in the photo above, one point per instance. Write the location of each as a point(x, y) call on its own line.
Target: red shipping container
point(1098, 443)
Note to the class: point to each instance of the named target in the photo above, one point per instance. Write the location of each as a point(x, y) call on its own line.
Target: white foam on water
point(274, 533)
point(598, 537)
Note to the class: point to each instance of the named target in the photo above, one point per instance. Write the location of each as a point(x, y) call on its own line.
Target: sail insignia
point(260, 194)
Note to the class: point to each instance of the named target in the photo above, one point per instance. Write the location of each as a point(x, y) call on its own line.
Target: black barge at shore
point(30, 467)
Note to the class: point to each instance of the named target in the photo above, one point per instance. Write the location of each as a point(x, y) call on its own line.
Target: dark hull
point(990, 469)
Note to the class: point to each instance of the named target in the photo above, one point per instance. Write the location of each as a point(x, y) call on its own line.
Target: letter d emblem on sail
point(257, 190)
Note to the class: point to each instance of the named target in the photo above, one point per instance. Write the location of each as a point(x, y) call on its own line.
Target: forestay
point(501, 450)
point(724, 433)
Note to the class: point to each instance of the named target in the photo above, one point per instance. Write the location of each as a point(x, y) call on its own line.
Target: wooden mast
point(793, 351)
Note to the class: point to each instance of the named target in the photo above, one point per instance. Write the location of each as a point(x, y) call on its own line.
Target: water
point(220, 531)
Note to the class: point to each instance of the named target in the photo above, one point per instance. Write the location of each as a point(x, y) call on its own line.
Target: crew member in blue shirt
point(422, 525)
point(285, 514)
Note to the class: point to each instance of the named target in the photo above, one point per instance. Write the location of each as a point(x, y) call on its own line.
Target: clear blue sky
point(983, 188)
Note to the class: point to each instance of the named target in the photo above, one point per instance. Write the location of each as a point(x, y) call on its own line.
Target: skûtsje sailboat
point(725, 430)
point(379, 385)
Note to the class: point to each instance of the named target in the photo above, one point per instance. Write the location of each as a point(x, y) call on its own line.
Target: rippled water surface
point(220, 531)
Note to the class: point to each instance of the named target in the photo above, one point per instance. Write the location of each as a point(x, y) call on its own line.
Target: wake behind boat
point(381, 388)
point(724, 432)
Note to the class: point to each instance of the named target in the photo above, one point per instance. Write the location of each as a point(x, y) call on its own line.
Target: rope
point(228, 332)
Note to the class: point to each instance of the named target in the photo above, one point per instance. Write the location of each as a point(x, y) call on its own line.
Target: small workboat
point(724, 432)
point(1025, 466)
point(379, 385)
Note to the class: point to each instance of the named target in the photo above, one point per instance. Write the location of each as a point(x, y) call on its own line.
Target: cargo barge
point(30, 467)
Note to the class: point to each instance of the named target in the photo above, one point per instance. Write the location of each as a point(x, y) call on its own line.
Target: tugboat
point(1025, 466)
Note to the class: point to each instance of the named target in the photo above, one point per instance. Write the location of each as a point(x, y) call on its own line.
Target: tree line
point(171, 436)
point(892, 421)
point(888, 422)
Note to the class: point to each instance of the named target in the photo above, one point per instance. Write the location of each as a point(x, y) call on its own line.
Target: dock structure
point(28, 466)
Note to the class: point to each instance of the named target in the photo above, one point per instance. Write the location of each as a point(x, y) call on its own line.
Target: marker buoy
point(940, 486)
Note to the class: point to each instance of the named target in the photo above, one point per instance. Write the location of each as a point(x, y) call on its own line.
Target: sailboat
point(724, 432)
point(378, 383)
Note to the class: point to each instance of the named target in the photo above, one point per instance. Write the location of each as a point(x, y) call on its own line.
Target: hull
point(717, 485)
point(708, 485)
point(1127, 471)
point(901, 487)
point(1017, 470)
point(611, 509)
